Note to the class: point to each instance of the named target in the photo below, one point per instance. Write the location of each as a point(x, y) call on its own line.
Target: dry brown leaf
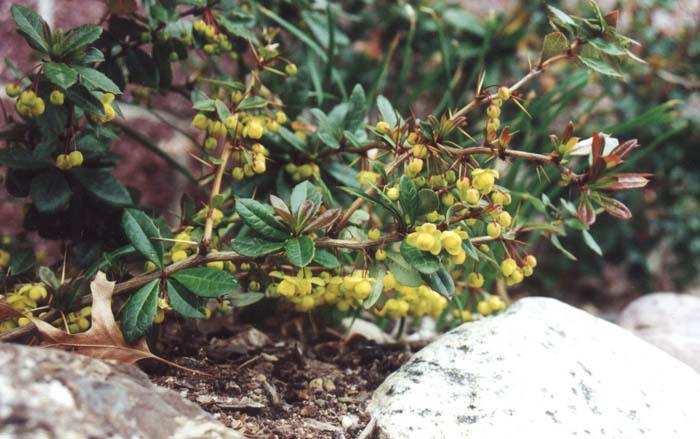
point(8, 312)
point(104, 339)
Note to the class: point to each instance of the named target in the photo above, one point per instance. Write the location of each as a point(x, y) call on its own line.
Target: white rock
point(669, 321)
point(542, 369)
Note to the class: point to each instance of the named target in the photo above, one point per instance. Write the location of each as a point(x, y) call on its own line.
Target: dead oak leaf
point(7, 312)
point(104, 339)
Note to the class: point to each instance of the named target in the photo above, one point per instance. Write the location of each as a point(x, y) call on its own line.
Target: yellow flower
point(484, 179)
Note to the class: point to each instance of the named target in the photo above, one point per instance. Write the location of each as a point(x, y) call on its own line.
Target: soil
point(278, 383)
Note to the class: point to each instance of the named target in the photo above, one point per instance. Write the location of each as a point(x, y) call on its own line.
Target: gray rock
point(669, 321)
point(46, 393)
point(542, 369)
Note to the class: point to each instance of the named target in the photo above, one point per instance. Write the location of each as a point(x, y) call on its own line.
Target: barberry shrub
point(319, 192)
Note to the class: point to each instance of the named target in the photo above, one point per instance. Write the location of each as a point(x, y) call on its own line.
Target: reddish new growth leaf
point(629, 181)
point(585, 211)
point(104, 339)
point(615, 208)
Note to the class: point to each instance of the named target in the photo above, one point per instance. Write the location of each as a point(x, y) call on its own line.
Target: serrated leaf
point(207, 281)
point(403, 271)
point(387, 111)
point(259, 218)
point(103, 185)
point(408, 196)
point(143, 235)
point(50, 191)
point(422, 261)
point(184, 302)
point(31, 26)
point(96, 80)
point(599, 66)
point(253, 247)
point(81, 36)
point(60, 74)
point(300, 251)
point(139, 311)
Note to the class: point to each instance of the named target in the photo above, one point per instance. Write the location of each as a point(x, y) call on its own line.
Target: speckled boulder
point(542, 369)
point(45, 394)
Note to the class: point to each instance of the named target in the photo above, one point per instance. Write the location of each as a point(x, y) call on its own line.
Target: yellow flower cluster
point(5, 258)
point(429, 239)
point(249, 164)
point(404, 301)
point(368, 177)
point(29, 104)
point(514, 274)
point(65, 162)
point(217, 42)
point(307, 291)
point(24, 299)
point(109, 111)
point(77, 321)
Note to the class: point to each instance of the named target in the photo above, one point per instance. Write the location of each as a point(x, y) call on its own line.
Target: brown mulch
point(279, 383)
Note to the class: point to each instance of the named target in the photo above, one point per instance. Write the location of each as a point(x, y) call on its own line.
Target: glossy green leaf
point(591, 242)
point(422, 261)
point(300, 250)
point(442, 282)
point(403, 271)
point(96, 80)
point(139, 311)
point(408, 196)
point(207, 281)
point(245, 299)
point(428, 201)
point(302, 192)
point(387, 111)
point(184, 302)
point(253, 247)
point(31, 26)
point(260, 218)
point(355, 116)
point(326, 259)
point(103, 185)
point(83, 98)
point(49, 278)
point(50, 191)
point(22, 261)
point(378, 272)
point(81, 36)
point(143, 235)
point(60, 74)
point(599, 66)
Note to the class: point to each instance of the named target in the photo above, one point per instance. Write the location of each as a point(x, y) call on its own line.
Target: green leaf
point(607, 47)
point(302, 192)
point(143, 235)
point(355, 117)
point(92, 55)
point(464, 21)
point(207, 281)
point(104, 186)
point(22, 261)
point(142, 68)
point(251, 103)
point(83, 98)
point(428, 201)
point(221, 109)
point(374, 200)
point(403, 271)
point(31, 26)
point(78, 38)
point(49, 278)
point(422, 261)
point(184, 302)
point(244, 299)
point(376, 271)
point(562, 17)
point(591, 242)
point(50, 191)
point(555, 43)
point(96, 80)
point(599, 66)
point(139, 311)
point(293, 140)
point(326, 259)
point(253, 247)
point(60, 74)
point(259, 218)
point(442, 282)
point(300, 251)
point(387, 111)
point(408, 196)
point(560, 247)
point(19, 158)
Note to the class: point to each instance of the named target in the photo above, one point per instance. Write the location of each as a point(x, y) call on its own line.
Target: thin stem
point(215, 190)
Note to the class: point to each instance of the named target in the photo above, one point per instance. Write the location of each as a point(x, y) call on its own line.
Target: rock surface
point(542, 369)
point(45, 393)
point(669, 321)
